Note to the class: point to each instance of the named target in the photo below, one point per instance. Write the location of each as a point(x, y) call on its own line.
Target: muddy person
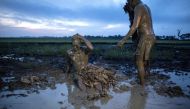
point(77, 57)
point(86, 75)
point(142, 23)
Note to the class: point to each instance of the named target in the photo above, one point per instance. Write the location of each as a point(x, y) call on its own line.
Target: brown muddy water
point(51, 88)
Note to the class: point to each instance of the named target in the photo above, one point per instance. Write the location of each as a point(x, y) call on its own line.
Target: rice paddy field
point(168, 85)
point(105, 47)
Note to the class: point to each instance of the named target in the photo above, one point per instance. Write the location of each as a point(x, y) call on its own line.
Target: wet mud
point(40, 82)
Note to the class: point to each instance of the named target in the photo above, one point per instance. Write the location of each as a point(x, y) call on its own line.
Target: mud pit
point(39, 82)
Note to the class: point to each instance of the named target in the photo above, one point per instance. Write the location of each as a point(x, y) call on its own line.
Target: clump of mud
point(98, 78)
point(30, 73)
point(172, 91)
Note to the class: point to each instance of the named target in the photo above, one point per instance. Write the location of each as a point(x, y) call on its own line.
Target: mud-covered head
point(76, 41)
point(133, 3)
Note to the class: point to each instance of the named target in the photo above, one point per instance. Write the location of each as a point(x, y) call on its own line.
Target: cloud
point(73, 23)
point(43, 24)
point(7, 31)
point(78, 4)
point(112, 26)
point(175, 11)
point(32, 9)
point(77, 9)
point(88, 16)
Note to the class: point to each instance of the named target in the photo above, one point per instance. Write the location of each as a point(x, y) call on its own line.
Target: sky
point(87, 17)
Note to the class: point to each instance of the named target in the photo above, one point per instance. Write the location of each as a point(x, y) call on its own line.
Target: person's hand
point(120, 44)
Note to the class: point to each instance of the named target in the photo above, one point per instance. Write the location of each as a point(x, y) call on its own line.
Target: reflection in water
point(73, 98)
point(78, 98)
point(138, 98)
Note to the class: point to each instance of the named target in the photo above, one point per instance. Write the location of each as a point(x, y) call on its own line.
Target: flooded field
point(40, 83)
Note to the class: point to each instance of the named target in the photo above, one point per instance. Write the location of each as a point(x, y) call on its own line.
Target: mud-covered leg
point(147, 68)
point(78, 81)
point(140, 69)
point(148, 49)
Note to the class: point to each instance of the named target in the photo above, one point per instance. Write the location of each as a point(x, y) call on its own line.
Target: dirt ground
point(40, 82)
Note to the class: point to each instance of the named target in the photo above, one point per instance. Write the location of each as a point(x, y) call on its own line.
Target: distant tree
point(185, 36)
point(178, 32)
point(170, 38)
point(158, 37)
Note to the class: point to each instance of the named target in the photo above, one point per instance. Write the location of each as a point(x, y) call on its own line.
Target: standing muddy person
point(142, 29)
point(86, 75)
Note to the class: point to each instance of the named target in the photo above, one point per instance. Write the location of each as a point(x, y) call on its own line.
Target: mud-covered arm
point(136, 21)
point(87, 43)
point(68, 65)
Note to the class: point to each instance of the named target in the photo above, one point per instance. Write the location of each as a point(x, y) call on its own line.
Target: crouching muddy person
point(86, 75)
point(142, 24)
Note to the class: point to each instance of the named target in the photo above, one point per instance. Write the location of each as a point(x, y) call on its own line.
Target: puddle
point(65, 97)
point(11, 57)
point(8, 79)
point(20, 59)
point(155, 101)
point(45, 99)
point(179, 78)
point(182, 80)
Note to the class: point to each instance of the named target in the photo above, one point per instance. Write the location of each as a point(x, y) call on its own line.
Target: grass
point(162, 54)
point(35, 40)
point(111, 52)
point(163, 50)
point(67, 40)
point(34, 49)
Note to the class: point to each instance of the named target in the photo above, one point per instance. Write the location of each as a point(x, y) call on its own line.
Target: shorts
point(144, 47)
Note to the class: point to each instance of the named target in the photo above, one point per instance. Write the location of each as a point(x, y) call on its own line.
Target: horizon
point(102, 36)
point(65, 18)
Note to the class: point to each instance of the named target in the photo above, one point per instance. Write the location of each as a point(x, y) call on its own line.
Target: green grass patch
point(35, 49)
point(95, 40)
point(164, 50)
point(118, 53)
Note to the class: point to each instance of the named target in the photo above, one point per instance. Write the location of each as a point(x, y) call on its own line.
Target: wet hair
point(127, 8)
point(76, 40)
point(136, 1)
point(133, 3)
point(75, 36)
